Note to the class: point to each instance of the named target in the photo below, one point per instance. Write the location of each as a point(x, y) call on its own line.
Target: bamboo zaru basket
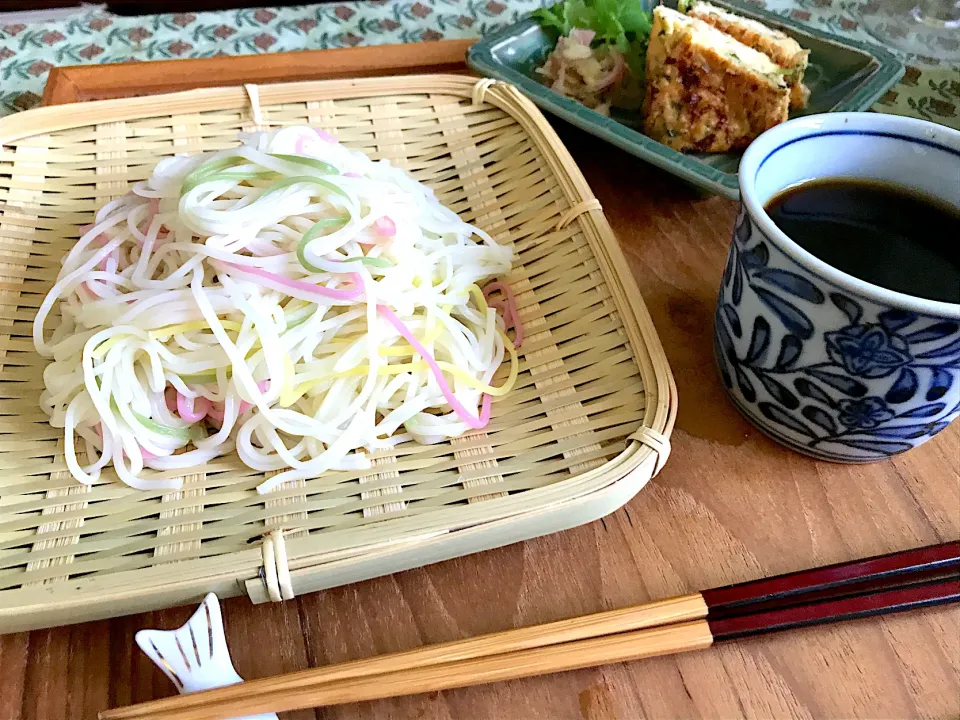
point(584, 429)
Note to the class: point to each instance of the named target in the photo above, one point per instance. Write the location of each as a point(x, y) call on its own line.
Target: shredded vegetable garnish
point(288, 299)
point(600, 54)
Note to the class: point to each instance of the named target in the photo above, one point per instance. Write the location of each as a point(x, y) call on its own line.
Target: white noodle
point(190, 326)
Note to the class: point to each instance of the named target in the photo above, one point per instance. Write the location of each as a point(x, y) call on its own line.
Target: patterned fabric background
point(930, 89)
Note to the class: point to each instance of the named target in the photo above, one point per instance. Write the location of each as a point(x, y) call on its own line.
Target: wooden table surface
point(729, 506)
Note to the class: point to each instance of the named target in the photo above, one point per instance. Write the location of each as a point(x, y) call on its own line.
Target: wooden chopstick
point(888, 583)
point(655, 614)
point(836, 580)
point(896, 599)
point(536, 661)
point(590, 652)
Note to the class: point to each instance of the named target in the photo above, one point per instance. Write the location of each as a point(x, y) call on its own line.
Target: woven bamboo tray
point(585, 428)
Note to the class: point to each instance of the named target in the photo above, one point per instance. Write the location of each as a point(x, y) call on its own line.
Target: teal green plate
point(844, 75)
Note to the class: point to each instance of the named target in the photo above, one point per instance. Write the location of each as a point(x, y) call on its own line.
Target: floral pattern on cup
point(878, 382)
point(867, 350)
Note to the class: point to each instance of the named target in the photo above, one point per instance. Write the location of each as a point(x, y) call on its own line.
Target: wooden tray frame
point(80, 83)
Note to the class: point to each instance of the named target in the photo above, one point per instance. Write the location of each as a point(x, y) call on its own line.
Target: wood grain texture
point(79, 83)
point(729, 506)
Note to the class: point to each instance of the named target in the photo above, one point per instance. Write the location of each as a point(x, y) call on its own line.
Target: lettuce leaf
point(621, 24)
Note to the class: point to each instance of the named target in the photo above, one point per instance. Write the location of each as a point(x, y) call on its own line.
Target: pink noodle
point(98, 241)
point(244, 405)
point(476, 423)
point(302, 285)
point(303, 139)
point(192, 409)
point(215, 409)
point(385, 227)
point(87, 295)
point(514, 316)
point(162, 232)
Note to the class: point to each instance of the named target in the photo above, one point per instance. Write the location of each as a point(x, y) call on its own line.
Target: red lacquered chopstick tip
point(849, 608)
point(931, 560)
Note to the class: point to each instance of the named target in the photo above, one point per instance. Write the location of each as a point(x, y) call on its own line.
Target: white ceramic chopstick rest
point(195, 656)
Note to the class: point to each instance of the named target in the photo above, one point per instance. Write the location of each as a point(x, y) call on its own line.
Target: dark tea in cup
point(885, 234)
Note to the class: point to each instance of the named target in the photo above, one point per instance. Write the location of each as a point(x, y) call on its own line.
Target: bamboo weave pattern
point(586, 383)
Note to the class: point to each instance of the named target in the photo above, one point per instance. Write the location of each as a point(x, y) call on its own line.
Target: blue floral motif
point(867, 350)
point(877, 383)
point(868, 412)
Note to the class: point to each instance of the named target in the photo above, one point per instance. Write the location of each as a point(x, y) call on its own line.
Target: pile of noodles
point(288, 299)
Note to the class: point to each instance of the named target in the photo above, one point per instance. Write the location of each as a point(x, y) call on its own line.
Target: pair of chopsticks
point(885, 584)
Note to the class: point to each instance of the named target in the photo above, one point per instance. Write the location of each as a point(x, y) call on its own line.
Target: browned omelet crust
point(698, 98)
point(778, 46)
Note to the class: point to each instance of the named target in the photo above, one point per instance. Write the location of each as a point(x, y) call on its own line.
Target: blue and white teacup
point(828, 364)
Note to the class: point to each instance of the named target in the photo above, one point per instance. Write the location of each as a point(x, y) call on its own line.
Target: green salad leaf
point(620, 24)
point(553, 19)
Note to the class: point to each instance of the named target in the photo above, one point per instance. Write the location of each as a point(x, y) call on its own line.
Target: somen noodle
point(289, 299)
